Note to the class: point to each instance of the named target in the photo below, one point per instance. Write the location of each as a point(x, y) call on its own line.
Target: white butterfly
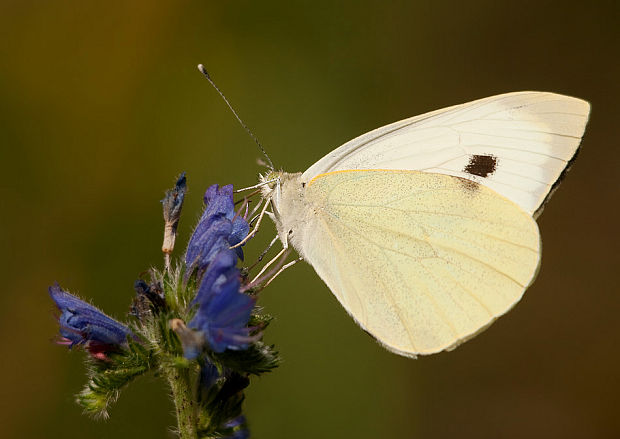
point(424, 229)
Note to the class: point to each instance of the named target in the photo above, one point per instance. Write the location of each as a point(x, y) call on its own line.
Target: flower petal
point(82, 323)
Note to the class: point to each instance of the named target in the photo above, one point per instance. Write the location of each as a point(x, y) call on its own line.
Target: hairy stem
point(182, 395)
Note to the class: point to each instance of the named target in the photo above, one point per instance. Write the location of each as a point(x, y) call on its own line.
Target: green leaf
point(221, 403)
point(107, 378)
point(257, 359)
point(260, 320)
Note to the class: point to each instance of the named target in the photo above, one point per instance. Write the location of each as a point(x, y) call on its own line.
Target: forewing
point(517, 144)
point(421, 261)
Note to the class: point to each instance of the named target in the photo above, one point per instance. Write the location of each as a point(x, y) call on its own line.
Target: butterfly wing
point(517, 144)
point(421, 261)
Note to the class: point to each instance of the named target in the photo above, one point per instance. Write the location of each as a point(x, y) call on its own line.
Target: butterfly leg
point(284, 267)
point(262, 255)
point(251, 215)
point(268, 264)
point(255, 229)
point(247, 197)
point(282, 255)
point(256, 185)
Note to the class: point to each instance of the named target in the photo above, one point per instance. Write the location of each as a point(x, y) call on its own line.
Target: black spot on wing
point(481, 165)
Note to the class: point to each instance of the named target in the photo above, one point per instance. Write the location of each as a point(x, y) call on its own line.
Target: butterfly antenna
point(206, 75)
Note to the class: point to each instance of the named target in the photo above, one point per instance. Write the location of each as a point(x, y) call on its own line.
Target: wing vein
point(469, 292)
point(520, 138)
point(430, 212)
point(388, 292)
point(444, 246)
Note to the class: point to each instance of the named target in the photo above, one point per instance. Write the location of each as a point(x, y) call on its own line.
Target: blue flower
point(222, 268)
point(241, 432)
point(219, 227)
point(208, 376)
point(223, 311)
point(83, 324)
point(234, 383)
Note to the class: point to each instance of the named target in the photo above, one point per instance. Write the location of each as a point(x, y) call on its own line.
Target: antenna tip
point(202, 70)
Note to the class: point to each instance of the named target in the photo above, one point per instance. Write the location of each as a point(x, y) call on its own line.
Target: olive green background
point(101, 106)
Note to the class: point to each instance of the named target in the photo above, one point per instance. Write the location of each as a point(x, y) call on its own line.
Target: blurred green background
point(101, 106)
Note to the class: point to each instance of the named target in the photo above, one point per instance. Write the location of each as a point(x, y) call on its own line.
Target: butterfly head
point(271, 186)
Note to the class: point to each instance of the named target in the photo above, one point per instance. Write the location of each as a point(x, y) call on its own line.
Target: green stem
point(182, 395)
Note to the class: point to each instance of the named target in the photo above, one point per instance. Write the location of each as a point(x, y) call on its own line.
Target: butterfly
point(425, 229)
